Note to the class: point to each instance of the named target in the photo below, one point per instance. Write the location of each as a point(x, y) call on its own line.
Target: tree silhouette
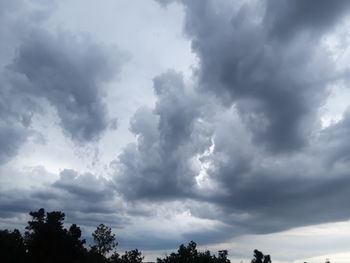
point(190, 254)
point(47, 241)
point(132, 256)
point(259, 257)
point(12, 249)
point(222, 256)
point(104, 240)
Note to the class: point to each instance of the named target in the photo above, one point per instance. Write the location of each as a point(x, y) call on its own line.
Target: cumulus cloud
point(68, 71)
point(277, 86)
point(240, 146)
point(16, 112)
point(84, 197)
point(159, 165)
point(264, 161)
point(64, 69)
point(287, 18)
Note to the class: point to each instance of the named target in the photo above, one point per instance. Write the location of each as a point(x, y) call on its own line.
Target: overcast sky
point(225, 122)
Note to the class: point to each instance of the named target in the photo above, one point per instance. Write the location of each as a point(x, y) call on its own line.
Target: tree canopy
point(46, 240)
point(104, 239)
point(190, 254)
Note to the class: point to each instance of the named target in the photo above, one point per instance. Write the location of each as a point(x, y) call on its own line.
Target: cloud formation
point(264, 162)
point(286, 19)
point(237, 148)
point(76, 194)
point(68, 71)
point(276, 85)
point(158, 165)
point(65, 70)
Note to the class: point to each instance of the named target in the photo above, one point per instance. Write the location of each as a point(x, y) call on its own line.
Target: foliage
point(132, 256)
point(190, 254)
point(12, 247)
point(259, 257)
point(47, 241)
point(104, 239)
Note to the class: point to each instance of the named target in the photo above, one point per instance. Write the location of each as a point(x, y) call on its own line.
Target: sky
point(226, 122)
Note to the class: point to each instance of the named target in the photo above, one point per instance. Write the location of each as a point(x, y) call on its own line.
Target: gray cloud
point(273, 84)
point(68, 71)
point(85, 198)
point(277, 88)
point(251, 159)
point(287, 18)
point(272, 167)
point(258, 192)
point(159, 164)
point(16, 112)
point(86, 186)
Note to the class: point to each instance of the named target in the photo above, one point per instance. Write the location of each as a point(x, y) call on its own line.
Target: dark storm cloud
point(87, 187)
point(270, 202)
point(272, 166)
point(16, 112)
point(86, 199)
point(11, 137)
point(159, 164)
point(268, 164)
point(68, 71)
point(13, 202)
point(258, 193)
point(287, 18)
point(277, 87)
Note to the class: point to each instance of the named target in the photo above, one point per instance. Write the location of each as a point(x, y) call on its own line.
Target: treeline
point(47, 241)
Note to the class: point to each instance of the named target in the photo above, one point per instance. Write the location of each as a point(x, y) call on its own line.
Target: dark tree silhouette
point(132, 256)
point(47, 241)
point(190, 254)
point(222, 256)
point(12, 249)
point(114, 258)
point(259, 257)
point(104, 240)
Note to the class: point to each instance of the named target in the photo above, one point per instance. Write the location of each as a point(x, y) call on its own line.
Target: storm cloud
point(64, 69)
point(76, 194)
point(265, 162)
point(236, 145)
point(68, 71)
point(159, 163)
point(277, 86)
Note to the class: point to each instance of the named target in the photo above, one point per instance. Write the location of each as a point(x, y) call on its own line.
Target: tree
point(222, 256)
point(132, 256)
point(259, 257)
point(104, 240)
point(12, 248)
point(48, 241)
point(190, 254)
